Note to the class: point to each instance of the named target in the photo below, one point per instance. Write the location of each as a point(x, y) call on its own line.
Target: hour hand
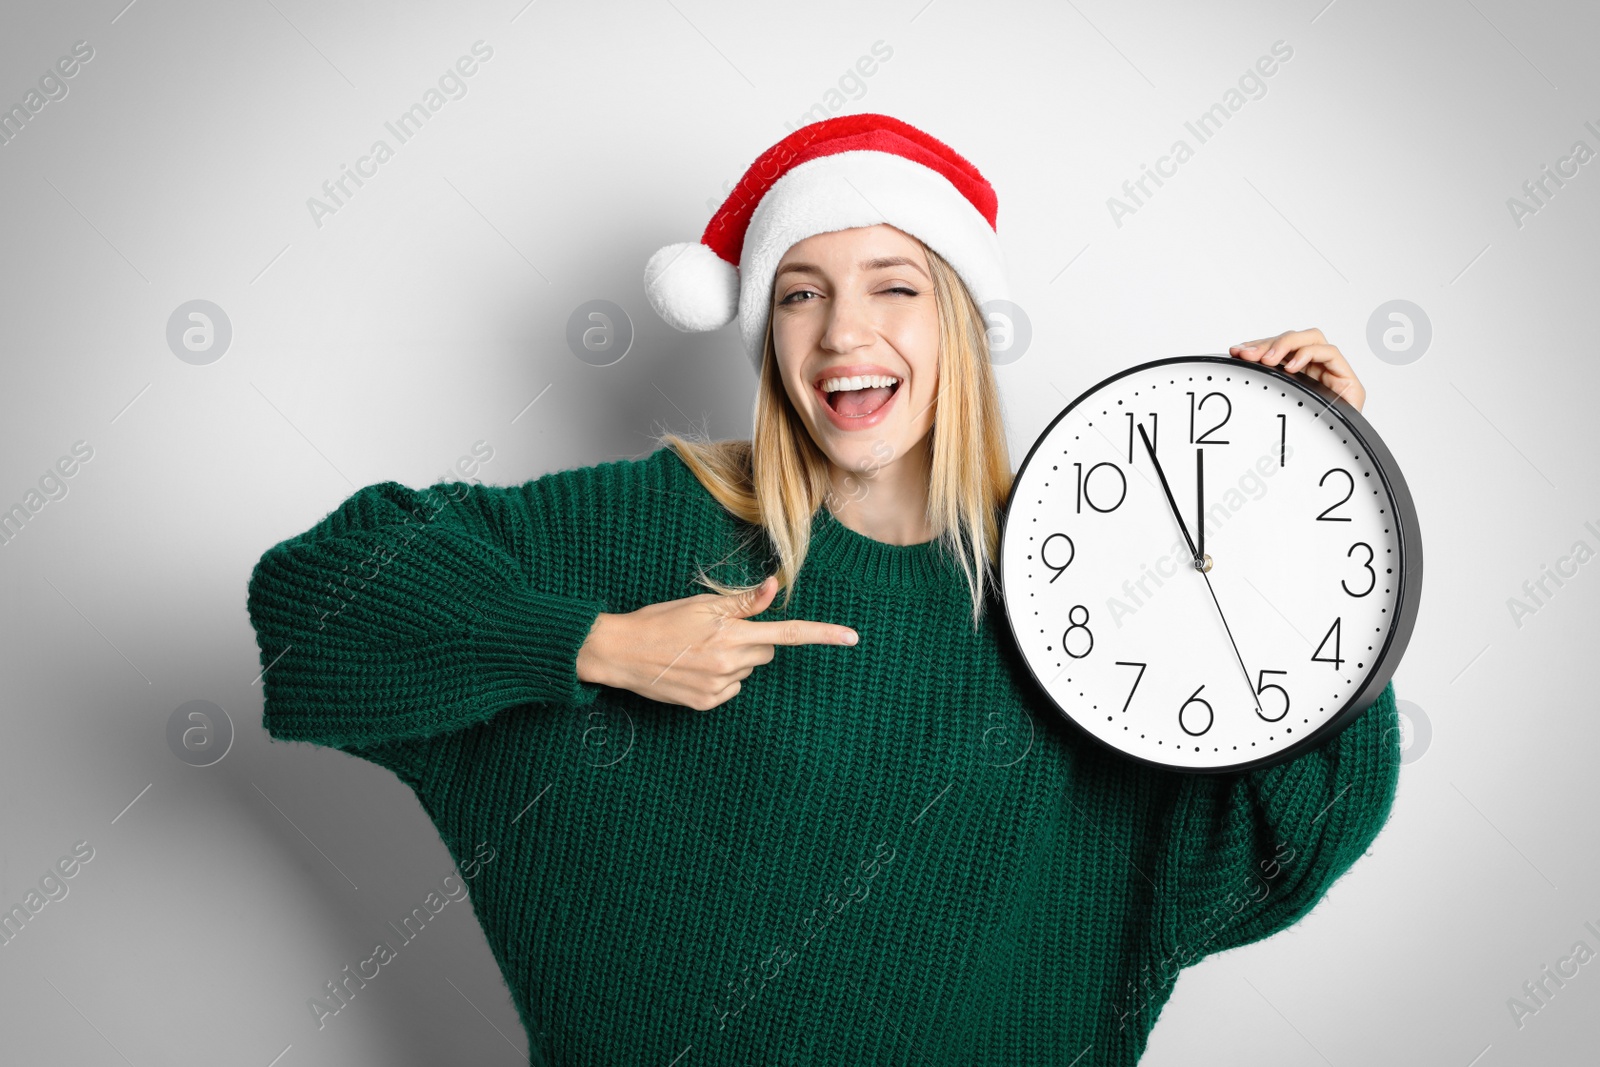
point(1199, 560)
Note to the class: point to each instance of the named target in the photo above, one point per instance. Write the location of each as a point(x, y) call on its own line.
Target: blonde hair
point(778, 480)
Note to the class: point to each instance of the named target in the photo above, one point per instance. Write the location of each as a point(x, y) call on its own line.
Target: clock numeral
point(1368, 565)
point(1154, 426)
point(1077, 624)
point(1085, 495)
point(1072, 554)
point(1205, 438)
point(1184, 712)
point(1263, 687)
point(1333, 632)
point(1325, 517)
point(1141, 666)
point(1283, 438)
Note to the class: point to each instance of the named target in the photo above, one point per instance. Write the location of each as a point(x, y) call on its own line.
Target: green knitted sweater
point(891, 853)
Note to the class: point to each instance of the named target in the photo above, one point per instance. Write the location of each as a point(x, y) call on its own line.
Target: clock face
point(1314, 563)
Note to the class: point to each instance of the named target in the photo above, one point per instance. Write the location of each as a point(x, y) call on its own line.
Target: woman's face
point(852, 309)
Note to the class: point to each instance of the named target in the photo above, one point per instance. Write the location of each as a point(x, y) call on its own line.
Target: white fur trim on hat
point(692, 287)
point(861, 188)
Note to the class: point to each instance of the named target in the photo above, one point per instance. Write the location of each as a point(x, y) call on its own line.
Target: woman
point(843, 826)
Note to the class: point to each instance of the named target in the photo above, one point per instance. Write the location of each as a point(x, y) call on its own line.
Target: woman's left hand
point(1310, 352)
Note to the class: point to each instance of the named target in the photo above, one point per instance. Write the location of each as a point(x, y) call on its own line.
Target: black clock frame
point(1408, 591)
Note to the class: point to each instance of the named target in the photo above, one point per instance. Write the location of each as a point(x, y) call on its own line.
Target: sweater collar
point(836, 549)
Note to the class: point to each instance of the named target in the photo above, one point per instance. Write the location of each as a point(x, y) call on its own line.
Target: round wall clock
point(1210, 565)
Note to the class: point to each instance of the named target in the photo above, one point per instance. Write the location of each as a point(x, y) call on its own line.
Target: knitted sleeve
point(1246, 855)
point(406, 614)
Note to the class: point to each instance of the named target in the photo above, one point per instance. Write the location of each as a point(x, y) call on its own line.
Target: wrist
point(592, 663)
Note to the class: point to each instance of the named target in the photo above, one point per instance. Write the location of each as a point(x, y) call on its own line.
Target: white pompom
point(692, 287)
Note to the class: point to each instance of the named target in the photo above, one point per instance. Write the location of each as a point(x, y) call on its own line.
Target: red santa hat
point(836, 174)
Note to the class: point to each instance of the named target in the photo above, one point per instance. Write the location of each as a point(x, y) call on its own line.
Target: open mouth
point(861, 401)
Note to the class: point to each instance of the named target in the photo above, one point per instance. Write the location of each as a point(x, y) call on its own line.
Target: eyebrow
point(868, 264)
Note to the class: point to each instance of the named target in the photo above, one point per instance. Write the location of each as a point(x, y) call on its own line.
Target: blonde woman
point(709, 824)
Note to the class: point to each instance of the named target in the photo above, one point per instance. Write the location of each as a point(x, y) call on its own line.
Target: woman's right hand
point(694, 651)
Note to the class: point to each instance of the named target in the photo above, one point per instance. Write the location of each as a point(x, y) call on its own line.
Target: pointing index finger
point(794, 632)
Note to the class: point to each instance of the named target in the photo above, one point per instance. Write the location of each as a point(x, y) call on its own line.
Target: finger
point(1326, 355)
point(794, 632)
point(1271, 350)
point(1285, 344)
point(1322, 359)
point(751, 601)
point(742, 659)
point(1346, 387)
point(1251, 350)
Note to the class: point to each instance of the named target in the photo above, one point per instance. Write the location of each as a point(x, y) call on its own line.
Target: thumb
point(752, 601)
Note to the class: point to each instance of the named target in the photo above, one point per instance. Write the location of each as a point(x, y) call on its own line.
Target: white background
point(431, 310)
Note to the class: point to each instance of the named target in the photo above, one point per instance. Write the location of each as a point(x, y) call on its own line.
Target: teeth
point(864, 381)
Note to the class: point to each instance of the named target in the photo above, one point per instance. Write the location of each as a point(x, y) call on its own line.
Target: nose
point(849, 324)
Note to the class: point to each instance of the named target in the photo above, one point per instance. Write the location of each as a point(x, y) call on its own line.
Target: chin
point(868, 449)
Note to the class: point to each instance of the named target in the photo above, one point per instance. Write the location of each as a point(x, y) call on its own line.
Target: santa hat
point(836, 174)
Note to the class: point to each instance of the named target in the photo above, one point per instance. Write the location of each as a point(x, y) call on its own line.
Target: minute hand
point(1194, 553)
point(1199, 562)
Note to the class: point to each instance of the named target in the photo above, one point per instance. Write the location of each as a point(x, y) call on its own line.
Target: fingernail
point(849, 638)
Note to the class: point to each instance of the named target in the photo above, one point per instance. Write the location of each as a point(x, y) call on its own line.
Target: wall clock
point(1309, 563)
